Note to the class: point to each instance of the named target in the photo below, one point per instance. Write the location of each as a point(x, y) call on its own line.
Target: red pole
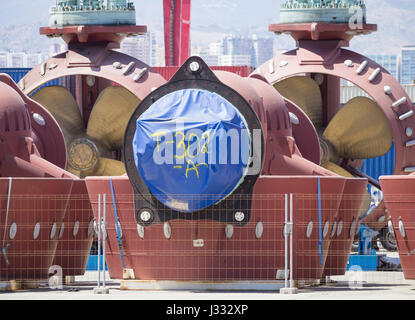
point(176, 31)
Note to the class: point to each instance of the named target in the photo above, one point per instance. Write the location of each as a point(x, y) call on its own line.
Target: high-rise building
point(235, 60)
point(17, 60)
point(160, 58)
point(210, 60)
point(142, 47)
point(237, 46)
point(3, 59)
point(216, 48)
point(388, 61)
point(33, 59)
point(259, 49)
point(264, 49)
point(407, 65)
point(56, 48)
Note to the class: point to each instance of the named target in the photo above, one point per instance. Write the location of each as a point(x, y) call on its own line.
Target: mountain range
point(211, 21)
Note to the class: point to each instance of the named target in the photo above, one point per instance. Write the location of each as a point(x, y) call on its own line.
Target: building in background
point(16, 60)
point(389, 62)
point(237, 51)
point(211, 60)
point(21, 59)
point(216, 48)
point(160, 58)
point(210, 57)
point(238, 46)
point(33, 59)
point(3, 59)
point(235, 60)
point(263, 48)
point(57, 48)
point(407, 65)
point(143, 48)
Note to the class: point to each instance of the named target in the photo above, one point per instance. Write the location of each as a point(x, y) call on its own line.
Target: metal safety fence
point(290, 240)
point(44, 237)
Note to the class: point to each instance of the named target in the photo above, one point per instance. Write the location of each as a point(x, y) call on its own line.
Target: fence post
point(100, 290)
point(104, 238)
point(288, 231)
point(99, 242)
point(286, 243)
point(291, 243)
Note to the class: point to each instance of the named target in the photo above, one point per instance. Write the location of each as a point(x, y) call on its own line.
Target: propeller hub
point(327, 152)
point(83, 154)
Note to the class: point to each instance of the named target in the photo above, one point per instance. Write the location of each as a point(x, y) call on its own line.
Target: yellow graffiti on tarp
point(192, 167)
point(202, 148)
point(181, 143)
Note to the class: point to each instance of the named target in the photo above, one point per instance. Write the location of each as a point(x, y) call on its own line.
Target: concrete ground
point(352, 286)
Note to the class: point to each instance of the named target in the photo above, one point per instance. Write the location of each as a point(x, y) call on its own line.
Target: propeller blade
point(73, 171)
point(106, 167)
point(110, 115)
point(343, 172)
point(360, 130)
point(63, 107)
point(337, 169)
point(306, 94)
point(367, 199)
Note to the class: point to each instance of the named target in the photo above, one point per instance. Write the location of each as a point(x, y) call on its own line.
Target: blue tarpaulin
point(192, 149)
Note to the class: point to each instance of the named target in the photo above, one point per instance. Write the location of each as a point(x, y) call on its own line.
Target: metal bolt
point(259, 229)
point(145, 216)
point(348, 63)
point(229, 231)
point(339, 227)
point(309, 229)
point(402, 229)
point(388, 89)
point(117, 65)
point(139, 75)
point(239, 216)
point(194, 66)
point(294, 119)
point(140, 231)
point(53, 231)
point(167, 230)
point(283, 63)
point(39, 119)
point(13, 230)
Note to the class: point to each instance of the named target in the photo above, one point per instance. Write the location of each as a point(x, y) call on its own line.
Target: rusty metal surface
point(73, 247)
point(296, 62)
point(168, 72)
point(322, 31)
point(201, 249)
point(349, 211)
point(29, 257)
point(243, 256)
point(141, 88)
point(93, 33)
point(399, 200)
point(46, 136)
point(96, 60)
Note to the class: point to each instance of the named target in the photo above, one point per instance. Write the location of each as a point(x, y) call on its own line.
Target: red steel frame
point(176, 31)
